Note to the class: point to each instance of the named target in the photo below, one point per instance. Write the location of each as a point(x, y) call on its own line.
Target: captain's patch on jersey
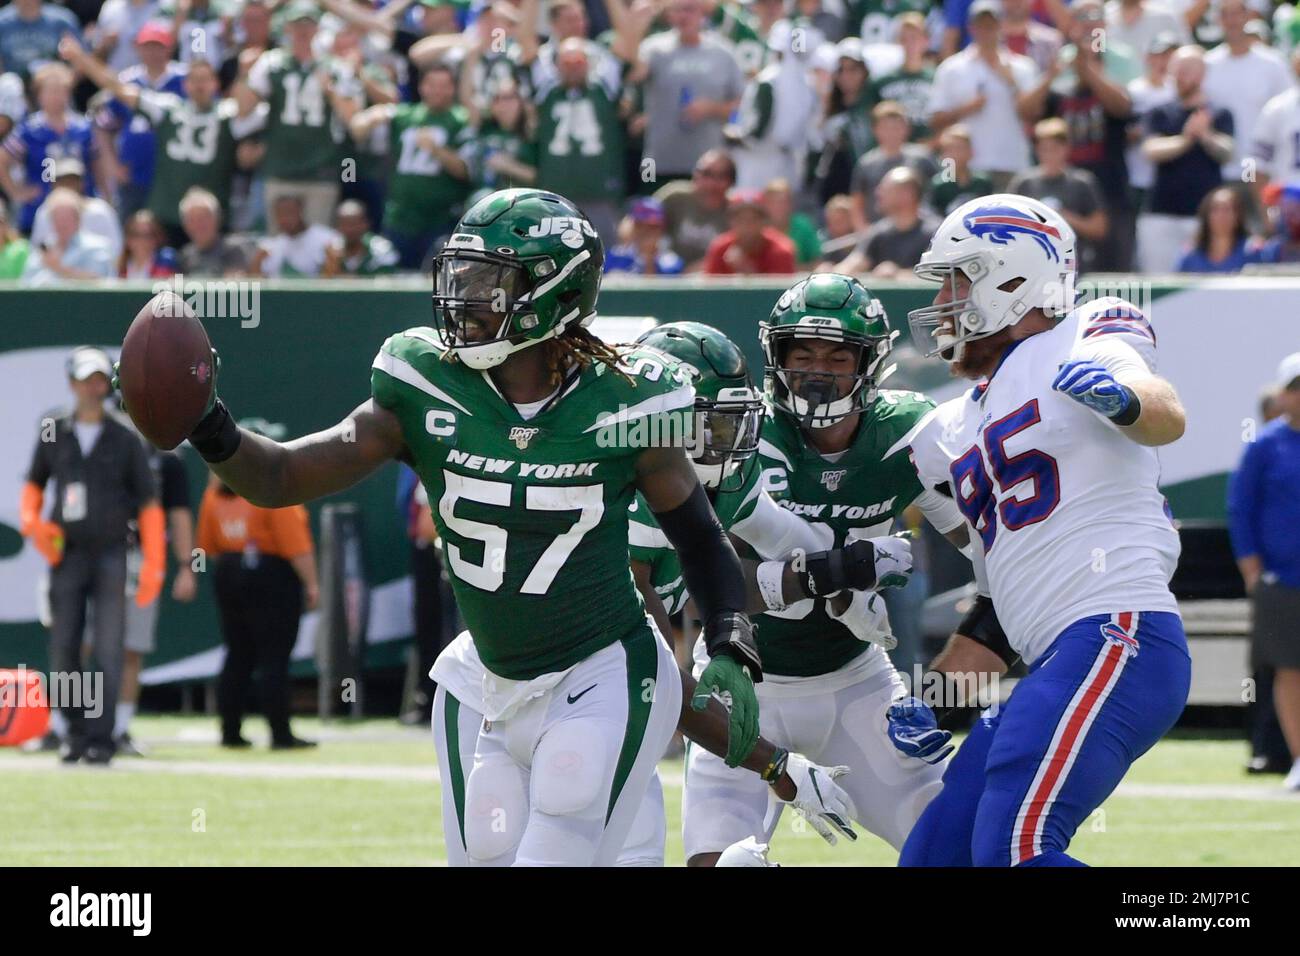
point(440, 423)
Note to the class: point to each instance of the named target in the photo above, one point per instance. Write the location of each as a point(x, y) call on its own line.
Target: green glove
point(728, 680)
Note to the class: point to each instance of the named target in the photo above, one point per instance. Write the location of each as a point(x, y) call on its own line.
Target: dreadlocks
point(578, 346)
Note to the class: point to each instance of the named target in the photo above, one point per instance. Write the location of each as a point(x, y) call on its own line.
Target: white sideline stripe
point(259, 769)
point(403, 371)
point(671, 776)
point(1201, 791)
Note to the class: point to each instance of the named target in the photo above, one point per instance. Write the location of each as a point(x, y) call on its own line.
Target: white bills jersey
point(1067, 508)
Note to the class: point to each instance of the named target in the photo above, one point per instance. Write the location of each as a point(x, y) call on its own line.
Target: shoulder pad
point(413, 358)
point(1110, 315)
point(645, 383)
point(904, 402)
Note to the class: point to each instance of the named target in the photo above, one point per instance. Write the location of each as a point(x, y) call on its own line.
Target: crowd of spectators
point(225, 138)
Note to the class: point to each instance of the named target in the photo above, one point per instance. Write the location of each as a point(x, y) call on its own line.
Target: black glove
point(730, 633)
point(825, 572)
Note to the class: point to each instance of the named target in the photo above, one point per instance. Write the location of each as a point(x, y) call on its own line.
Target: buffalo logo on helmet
point(1002, 224)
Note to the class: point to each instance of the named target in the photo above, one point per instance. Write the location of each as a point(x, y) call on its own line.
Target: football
point(166, 371)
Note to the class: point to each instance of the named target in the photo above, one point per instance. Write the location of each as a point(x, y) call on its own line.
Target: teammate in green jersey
point(501, 409)
point(725, 454)
point(830, 694)
point(726, 459)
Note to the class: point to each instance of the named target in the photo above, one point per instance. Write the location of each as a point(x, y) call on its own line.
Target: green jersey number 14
point(304, 101)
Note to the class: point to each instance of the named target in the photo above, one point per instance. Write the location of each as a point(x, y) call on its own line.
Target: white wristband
point(769, 575)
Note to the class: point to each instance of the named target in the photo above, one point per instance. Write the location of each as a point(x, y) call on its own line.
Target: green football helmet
point(835, 308)
point(521, 267)
point(728, 409)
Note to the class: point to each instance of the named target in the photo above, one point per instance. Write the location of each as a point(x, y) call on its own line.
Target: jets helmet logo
point(832, 479)
point(568, 228)
point(521, 435)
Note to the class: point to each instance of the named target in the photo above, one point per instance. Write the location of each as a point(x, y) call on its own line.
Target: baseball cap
point(648, 210)
point(984, 6)
point(1289, 370)
point(1162, 43)
point(850, 48)
point(69, 166)
point(154, 32)
point(85, 360)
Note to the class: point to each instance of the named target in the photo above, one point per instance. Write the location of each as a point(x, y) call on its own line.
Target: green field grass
point(369, 796)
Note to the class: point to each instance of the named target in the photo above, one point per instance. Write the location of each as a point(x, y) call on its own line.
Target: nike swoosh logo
point(573, 698)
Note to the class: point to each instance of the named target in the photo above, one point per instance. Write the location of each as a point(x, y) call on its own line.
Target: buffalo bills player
point(1051, 459)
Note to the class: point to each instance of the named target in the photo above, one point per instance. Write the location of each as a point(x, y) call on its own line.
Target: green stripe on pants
point(451, 728)
point(642, 665)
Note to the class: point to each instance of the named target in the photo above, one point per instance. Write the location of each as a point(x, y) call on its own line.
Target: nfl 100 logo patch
point(521, 435)
point(831, 479)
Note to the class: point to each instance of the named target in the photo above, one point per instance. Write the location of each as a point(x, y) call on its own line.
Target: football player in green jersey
point(828, 693)
point(504, 409)
point(729, 410)
point(724, 452)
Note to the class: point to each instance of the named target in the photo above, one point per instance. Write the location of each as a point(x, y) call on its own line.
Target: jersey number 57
point(975, 472)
